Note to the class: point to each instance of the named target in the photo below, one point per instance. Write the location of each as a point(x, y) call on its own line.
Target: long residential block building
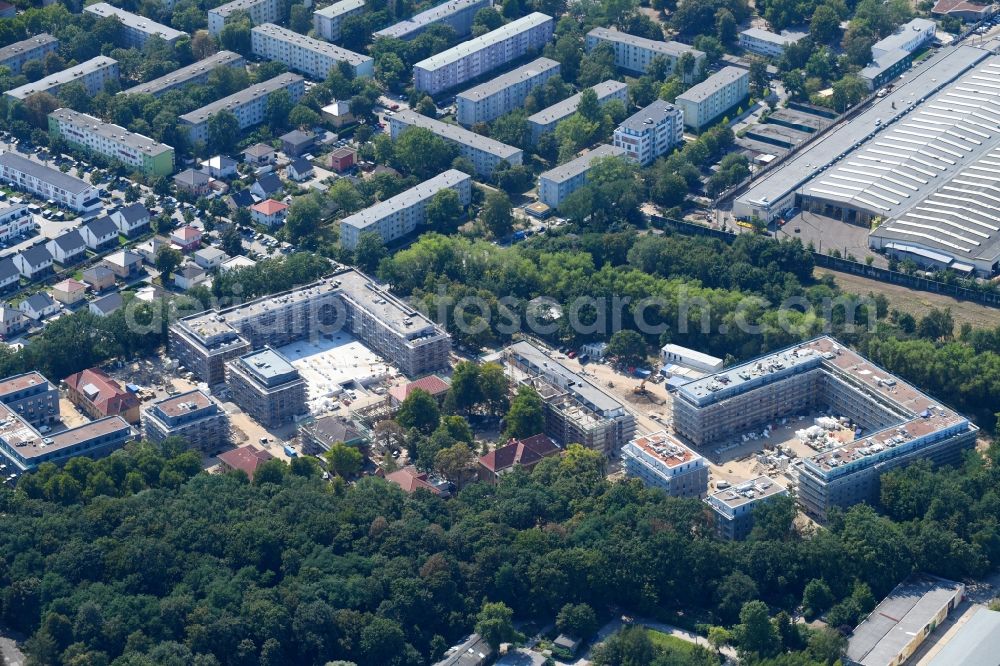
point(32, 397)
point(488, 101)
point(260, 12)
point(484, 153)
point(93, 74)
point(197, 72)
point(458, 14)
point(312, 57)
point(135, 30)
point(267, 386)
point(650, 132)
point(150, 157)
point(769, 44)
point(556, 184)
point(249, 106)
point(898, 423)
point(576, 410)
point(546, 120)
point(48, 183)
point(483, 54)
point(13, 56)
point(660, 461)
point(347, 300)
point(326, 21)
point(636, 54)
point(193, 415)
point(713, 97)
point(402, 214)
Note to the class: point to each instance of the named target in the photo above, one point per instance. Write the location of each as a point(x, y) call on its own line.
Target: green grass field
point(669, 643)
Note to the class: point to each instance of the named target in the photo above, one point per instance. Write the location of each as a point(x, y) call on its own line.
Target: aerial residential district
point(611, 332)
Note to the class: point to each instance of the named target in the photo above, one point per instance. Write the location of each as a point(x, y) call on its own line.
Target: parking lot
point(828, 234)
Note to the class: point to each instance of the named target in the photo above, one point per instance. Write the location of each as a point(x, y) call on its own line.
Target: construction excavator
point(642, 390)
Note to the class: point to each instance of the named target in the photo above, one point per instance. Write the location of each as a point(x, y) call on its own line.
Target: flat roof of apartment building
point(178, 405)
point(672, 49)
point(649, 117)
point(179, 76)
point(17, 48)
point(426, 18)
point(242, 97)
point(455, 133)
point(513, 77)
point(110, 131)
point(747, 492)
point(61, 78)
point(713, 84)
point(569, 381)
point(236, 5)
point(269, 367)
point(54, 177)
point(456, 53)
point(665, 448)
point(20, 382)
point(340, 8)
point(579, 165)
point(422, 192)
point(569, 105)
point(29, 443)
point(786, 37)
point(903, 34)
point(320, 48)
point(134, 21)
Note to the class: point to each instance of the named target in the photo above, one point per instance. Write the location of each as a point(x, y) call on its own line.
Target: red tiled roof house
point(524, 453)
point(98, 395)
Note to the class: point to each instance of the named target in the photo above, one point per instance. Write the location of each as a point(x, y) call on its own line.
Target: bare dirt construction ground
point(915, 302)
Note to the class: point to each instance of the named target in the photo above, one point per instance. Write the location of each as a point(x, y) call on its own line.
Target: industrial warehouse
point(919, 165)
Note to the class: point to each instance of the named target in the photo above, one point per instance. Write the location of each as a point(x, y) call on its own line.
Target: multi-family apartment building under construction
point(576, 411)
point(897, 424)
point(346, 300)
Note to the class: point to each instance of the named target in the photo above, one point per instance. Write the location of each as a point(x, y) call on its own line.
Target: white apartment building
point(306, 55)
point(713, 97)
point(135, 30)
point(94, 74)
point(651, 132)
point(556, 184)
point(249, 106)
point(402, 214)
point(326, 21)
point(546, 120)
point(14, 221)
point(908, 37)
point(112, 141)
point(483, 54)
point(488, 101)
point(13, 56)
point(194, 73)
point(48, 183)
point(637, 53)
point(260, 11)
point(484, 153)
point(459, 14)
point(659, 460)
point(769, 44)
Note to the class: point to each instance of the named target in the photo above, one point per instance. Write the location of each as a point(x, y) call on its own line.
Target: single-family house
point(338, 113)
point(34, 262)
point(10, 276)
point(99, 278)
point(299, 170)
point(239, 199)
point(269, 212)
point(132, 220)
point(100, 233)
point(219, 166)
point(69, 291)
point(193, 182)
point(258, 155)
point(239, 261)
point(99, 396)
point(189, 276)
point(67, 248)
point(297, 142)
point(149, 293)
point(38, 306)
point(150, 248)
point(12, 321)
point(105, 305)
point(342, 159)
point(124, 264)
point(524, 453)
point(246, 459)
point(267, 185)
point(187, 238)
point(209, 258)
point(410, 480)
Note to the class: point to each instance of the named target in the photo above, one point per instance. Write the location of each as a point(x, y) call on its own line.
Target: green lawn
point(670, 643)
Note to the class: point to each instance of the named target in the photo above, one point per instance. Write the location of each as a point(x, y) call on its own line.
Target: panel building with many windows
point(197, 72)
point(326, 21)
point(488, 101)
point(249, 106)
point(311, 57)
point(402, 214)
point(556, 184)
point(260, 11)
point(714, 97)
point(93, 74)
point(546, 120)
point(483, 54)
point(636, 54)
point(651, 132)
point(135, 30)
point(13, 56)
point(116, 143)
point(484, 153)
point(457, 14)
